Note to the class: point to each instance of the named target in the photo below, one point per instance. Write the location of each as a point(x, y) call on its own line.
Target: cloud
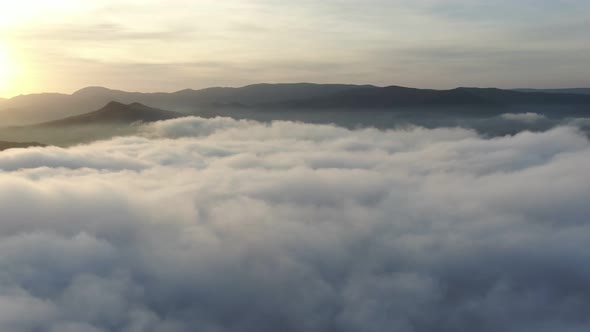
point(426, 43)
point(101, 32)
point(528, 117)
point(226, 225)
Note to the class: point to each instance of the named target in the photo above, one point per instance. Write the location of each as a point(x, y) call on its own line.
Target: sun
point(7, 72)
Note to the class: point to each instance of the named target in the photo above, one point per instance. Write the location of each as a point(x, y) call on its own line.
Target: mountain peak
point(117, 112)
point(136, 105)
point(112, 104)
point(93, 90)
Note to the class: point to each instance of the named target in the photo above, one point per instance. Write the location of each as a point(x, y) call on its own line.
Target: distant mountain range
point(395, 96)
point(36, 108)
point(583, 91)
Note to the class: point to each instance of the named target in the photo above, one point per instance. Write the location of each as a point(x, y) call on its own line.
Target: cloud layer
point(224, 225)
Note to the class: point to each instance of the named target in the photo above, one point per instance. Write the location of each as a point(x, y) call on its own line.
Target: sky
point(156, 45)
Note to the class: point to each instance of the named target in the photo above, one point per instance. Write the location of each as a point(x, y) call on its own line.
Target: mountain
point(388, 97)
point(116, 113)
point(249, 95)
point(396, 96)
point(510, 97)
point(582, 91)
point(35, 108)
point(4, 145)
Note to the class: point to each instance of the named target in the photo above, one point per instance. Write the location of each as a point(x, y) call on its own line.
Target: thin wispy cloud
point(378, 42)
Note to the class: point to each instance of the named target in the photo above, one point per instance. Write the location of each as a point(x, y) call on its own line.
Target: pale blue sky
point(157, 45)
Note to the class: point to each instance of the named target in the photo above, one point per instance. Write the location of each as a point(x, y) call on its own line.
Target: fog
point(65, 135)
point(485, 123)
point(235, 225)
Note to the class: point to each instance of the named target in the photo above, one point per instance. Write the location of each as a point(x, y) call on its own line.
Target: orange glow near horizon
point(7, 72)
point(14, 76)
point(169, 45)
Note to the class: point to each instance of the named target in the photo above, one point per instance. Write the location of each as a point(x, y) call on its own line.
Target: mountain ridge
point(5, 145)
point(36, 108)
point(585, 91)
point(115, 113)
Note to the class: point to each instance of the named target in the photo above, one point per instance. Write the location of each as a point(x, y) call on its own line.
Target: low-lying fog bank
point(488, 125)
point(225, 225)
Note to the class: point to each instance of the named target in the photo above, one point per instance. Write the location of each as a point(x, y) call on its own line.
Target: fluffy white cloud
point(528, 117)
point(224, 225)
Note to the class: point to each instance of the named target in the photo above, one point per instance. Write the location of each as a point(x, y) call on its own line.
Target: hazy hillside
point(395, 96)
point(387, 97)
point(583, 91)
point(236, 102)
point(35, 108)
point(4, 145)
point(510, 97)
point(116, 113)
point(114, 119)
point(247, 95)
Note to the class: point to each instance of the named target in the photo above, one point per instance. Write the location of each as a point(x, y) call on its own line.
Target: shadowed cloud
point(230, 225)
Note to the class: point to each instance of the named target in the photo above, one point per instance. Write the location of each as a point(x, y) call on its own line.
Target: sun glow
point(7, 72)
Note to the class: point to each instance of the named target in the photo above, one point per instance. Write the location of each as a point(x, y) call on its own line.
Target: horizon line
point(5, 98)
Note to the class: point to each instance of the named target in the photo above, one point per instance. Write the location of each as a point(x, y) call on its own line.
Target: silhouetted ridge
point(213, 101)
point(116, 112)
point(583, 91)
point(4, 145)
point(94, 90)
point(511, 97)
point(392, 96)
point(395, 96)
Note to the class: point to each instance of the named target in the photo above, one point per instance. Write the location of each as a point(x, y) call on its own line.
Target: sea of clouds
point(224, 225)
